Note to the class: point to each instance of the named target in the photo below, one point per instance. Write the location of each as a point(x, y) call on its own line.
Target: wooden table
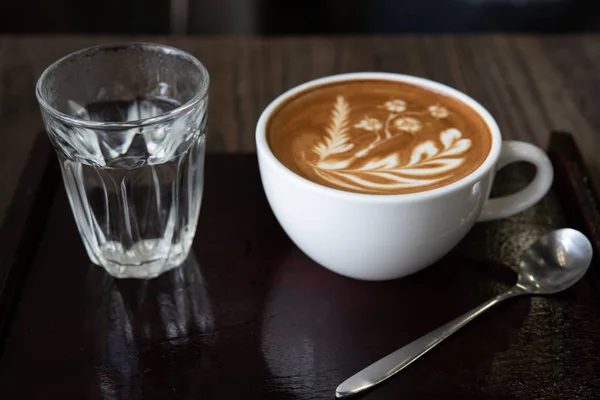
point(530, 84)
point(262, 321)
point(251, 317)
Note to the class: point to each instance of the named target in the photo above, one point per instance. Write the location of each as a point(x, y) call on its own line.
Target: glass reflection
point(143, 331)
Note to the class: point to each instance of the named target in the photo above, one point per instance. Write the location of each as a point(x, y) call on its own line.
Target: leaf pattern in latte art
point(337, 139)
point(429, 162)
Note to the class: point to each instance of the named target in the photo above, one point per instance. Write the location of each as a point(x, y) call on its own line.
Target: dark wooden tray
point(249, 316)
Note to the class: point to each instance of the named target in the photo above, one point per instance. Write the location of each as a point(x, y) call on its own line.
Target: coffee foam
point(378, 137)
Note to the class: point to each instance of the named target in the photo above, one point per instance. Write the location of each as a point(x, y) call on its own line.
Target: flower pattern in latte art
point(429, 162)
point(369, 124)
point(395, 106)
point(408, 124)
point(438, 112)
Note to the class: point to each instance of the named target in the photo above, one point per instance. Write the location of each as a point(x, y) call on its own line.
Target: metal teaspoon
point(552, 264)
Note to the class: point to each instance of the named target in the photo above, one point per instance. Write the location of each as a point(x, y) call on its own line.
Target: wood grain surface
point(251, 317)
point(530, 84)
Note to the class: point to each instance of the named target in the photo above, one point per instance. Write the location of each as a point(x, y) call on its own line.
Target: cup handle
point(506, 206)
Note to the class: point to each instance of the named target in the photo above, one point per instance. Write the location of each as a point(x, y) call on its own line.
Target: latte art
point(429, 162)
point(378, 137)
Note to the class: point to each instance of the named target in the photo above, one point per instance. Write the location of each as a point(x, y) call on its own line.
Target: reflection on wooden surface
point(132, 324)
point(254, 318)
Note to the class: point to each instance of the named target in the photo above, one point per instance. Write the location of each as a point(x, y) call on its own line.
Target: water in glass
point(136, 212)
point(135, 185)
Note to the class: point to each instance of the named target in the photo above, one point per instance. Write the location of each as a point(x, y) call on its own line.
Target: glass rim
point(114, 125)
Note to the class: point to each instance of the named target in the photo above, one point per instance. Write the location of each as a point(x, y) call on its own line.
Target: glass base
point(145, 272)
point(130, 267)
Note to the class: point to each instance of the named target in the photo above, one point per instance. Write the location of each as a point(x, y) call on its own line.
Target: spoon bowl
point(554, 262)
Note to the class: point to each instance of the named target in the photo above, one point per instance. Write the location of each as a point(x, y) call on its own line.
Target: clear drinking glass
point(128, 125)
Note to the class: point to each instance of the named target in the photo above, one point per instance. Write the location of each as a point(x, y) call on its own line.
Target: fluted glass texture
point(128, 124)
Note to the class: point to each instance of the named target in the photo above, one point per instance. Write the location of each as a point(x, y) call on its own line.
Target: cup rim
point(114, 125)
point(263, 149)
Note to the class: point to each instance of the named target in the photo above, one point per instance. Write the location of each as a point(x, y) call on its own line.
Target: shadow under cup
point(382, 237)
point(128, 122)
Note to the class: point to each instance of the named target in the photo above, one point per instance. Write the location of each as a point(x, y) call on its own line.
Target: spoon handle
point(398, 360)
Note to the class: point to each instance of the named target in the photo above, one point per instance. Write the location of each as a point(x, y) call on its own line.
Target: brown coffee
point(378, 137)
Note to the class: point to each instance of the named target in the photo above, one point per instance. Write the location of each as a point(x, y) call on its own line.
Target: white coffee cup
point(380, 237)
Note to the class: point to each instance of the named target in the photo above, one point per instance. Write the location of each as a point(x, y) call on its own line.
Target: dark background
point(294, 17)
